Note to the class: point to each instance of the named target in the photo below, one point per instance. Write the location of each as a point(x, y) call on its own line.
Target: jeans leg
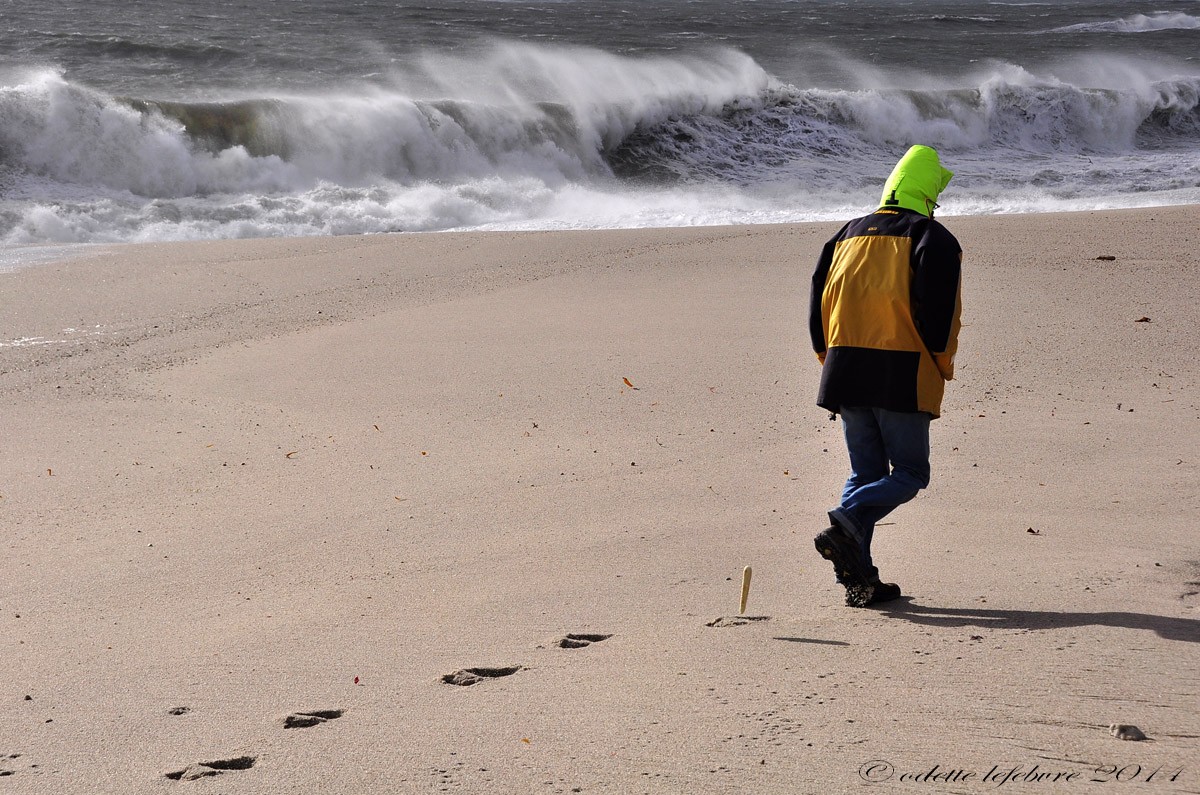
point(864, 443)
point(868, 464)
point(875, 439)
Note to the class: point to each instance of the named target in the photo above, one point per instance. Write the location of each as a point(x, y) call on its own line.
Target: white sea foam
point(68, 336)
point(15, 257)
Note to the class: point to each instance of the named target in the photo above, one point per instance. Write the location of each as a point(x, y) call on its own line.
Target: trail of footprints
point(199, 770)
point(303, 720)
point(473, 676)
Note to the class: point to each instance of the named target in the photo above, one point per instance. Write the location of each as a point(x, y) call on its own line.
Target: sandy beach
point(261, 499)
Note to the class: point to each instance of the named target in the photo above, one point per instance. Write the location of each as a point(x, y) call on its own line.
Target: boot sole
point(859, 591)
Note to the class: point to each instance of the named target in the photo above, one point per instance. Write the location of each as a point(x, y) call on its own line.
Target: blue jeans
point(889, 464)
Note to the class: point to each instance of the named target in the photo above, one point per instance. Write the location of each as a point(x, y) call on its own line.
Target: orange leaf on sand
point(525, 740)
point(629, 383)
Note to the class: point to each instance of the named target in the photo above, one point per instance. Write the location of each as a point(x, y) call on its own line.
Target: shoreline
point(307, 476)
point(17, 256)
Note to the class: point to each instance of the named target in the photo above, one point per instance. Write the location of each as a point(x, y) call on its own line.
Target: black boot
point(884, 592)
point(836, 546)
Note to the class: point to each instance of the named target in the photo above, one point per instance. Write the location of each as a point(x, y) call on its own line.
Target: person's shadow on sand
point(1186, 629)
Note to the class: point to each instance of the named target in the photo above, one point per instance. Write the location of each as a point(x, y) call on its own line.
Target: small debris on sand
point(1126, 731)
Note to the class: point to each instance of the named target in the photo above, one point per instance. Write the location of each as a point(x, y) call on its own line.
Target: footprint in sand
point(214, 768)
point(302, 720)
point(735, 621)
point(473, 676)
point(578, 640)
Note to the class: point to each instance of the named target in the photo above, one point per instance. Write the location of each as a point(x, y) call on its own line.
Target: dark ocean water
point(168, 120)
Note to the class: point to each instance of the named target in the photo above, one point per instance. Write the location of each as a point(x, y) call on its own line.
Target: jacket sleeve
point(936, 294)
point(816, 325)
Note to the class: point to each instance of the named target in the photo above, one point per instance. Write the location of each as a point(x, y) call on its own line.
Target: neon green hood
point(916, 181)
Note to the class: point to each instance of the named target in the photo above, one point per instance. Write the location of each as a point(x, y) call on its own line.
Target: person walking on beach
point(884, 317)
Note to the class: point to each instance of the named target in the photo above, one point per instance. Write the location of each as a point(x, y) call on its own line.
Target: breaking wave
point(558, 137)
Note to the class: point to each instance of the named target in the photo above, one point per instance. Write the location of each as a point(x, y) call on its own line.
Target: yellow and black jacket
point(885, 309)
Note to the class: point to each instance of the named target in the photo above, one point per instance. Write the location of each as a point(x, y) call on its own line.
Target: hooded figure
point(885, 314)
point(884, 317)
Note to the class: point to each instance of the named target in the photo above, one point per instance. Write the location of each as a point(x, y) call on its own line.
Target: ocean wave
point(1011, 113)
point(536, 137)
point(726, 122)
point(1137, 23)
point(544, 112)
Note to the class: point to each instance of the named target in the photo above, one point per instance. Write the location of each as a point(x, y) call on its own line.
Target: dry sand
point(246, 480)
